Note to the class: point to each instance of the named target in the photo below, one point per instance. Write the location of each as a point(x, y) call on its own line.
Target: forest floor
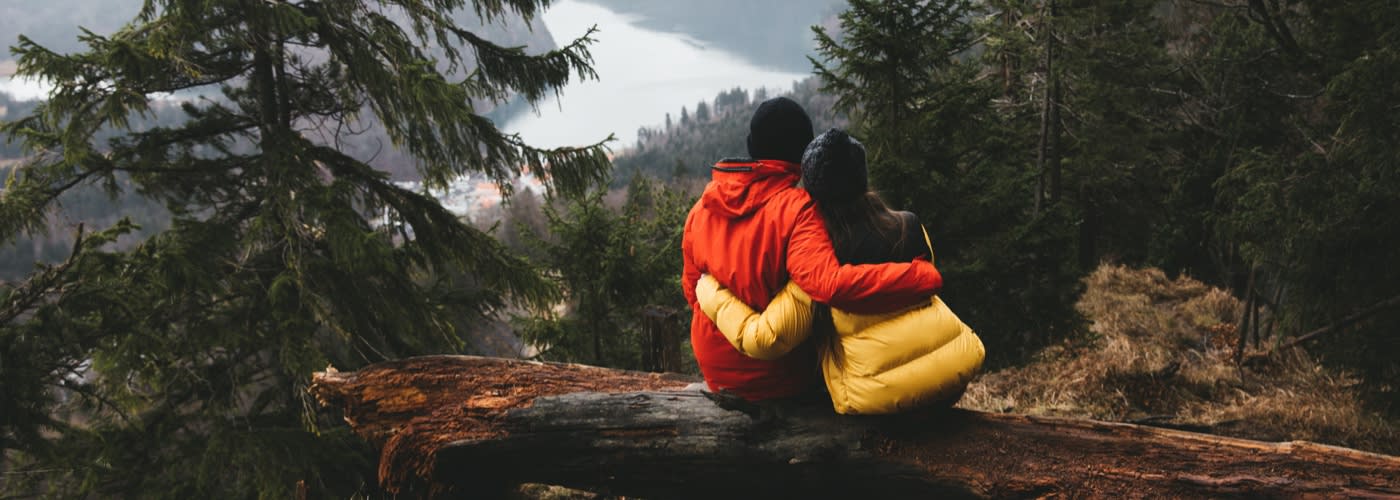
point(1162, 352)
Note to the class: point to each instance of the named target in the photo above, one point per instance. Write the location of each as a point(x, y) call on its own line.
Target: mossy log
point(452, 426)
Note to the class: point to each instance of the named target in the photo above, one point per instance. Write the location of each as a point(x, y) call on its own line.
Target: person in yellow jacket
point(918, 355)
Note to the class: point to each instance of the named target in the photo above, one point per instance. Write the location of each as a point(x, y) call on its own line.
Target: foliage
point(1311, 187)
point(11, 107)
point(1162, 351)
point(92, 206)
point(937, 146)
point(177, 368)
point(1247, 143)
point(617, 266)
point(684, 152)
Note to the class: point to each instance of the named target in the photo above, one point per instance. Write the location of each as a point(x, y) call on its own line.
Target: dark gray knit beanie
point(780, 130)
point(833, 167)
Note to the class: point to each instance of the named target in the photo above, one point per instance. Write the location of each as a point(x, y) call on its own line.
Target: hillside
point(1162, 352)
point(1246, 146)
point(683, 145)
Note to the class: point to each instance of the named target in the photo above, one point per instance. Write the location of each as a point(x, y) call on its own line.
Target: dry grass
point(1161, 351)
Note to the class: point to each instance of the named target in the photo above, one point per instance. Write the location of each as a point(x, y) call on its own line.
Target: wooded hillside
point(1247, 144)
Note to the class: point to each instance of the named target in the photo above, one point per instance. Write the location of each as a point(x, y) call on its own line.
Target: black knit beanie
point(833, 167)
point(779, 130)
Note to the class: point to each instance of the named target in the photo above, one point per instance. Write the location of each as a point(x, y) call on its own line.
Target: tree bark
point(1243, 329)
point(1048, 152)
point(466, 426)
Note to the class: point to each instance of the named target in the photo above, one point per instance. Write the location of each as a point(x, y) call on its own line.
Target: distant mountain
point(771, 33)
point(55, 23)
point(689, 141)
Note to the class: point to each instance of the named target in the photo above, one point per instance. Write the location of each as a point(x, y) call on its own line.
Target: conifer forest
point(1181, 211)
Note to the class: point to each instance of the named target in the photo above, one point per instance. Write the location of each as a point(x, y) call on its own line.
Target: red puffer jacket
point(754, 230)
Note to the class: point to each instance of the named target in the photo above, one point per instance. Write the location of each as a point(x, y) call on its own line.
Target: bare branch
point(1351, 319)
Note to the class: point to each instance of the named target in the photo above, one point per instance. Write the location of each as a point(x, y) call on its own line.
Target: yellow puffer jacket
point(875, 364)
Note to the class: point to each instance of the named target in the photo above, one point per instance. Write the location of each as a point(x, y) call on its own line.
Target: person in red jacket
point(754, 230)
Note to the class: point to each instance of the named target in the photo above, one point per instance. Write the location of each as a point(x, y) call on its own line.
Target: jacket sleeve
point(689, 272)
point(865, 288)
point(768, 335)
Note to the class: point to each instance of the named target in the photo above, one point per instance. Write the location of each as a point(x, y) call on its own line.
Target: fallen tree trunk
point(464, 426)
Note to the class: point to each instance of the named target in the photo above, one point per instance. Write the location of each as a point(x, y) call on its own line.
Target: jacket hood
point(739, 187)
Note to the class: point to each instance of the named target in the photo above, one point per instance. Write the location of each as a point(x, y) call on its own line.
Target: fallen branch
point(467, 426)
point(1351, 319)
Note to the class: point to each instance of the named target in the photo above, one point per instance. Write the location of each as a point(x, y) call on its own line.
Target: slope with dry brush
point(1161, 352)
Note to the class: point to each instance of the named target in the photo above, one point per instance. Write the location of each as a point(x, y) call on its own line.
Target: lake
point(643, 74)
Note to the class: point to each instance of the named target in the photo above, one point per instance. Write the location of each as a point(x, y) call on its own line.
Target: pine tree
point(896, 72)
point(615, 265)
point(1104, 90)
point(177, 369)
point(937, 146)
point(1307, 187)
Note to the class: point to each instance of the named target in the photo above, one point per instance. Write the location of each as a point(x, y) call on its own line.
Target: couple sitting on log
point(855, 306)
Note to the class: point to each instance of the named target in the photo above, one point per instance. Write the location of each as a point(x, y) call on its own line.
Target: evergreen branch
point(34, 289)
point(502, 68)
point(1277, 28)
point(25, 201)
point(459, 245)
point(568, 169)
point(102, 400)
point(490, 10)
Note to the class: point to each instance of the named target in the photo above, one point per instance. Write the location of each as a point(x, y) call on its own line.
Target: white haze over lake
point(23, 89)
point(642, 75)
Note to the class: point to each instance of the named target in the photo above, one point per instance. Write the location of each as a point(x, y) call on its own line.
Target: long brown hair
point(844, 222)
point(846, 218)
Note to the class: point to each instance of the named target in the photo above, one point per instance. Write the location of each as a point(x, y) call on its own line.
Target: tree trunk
point(1048, 152)
point(663, 330)
point(1243, 328)
point(468, 426)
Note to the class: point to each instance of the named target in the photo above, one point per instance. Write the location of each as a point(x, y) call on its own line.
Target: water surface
point(643, 74)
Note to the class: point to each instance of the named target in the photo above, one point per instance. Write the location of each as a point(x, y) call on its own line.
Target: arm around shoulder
point(859, 288)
